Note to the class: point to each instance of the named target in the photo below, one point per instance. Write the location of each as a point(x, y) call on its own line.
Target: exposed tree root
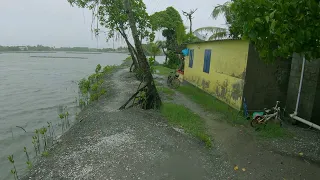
point(132, 97)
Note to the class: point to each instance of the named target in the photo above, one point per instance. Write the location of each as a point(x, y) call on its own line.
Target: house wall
point(309, 93)
point(265, 83)
point(227, 69)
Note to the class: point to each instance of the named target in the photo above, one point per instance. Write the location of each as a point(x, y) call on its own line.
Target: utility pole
point(189, 16)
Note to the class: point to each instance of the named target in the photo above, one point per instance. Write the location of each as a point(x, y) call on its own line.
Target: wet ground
point(129, 144)
point(138, 144)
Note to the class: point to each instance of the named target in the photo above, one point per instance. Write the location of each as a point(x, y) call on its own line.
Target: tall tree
point(152, 49)
point(225, 10)
point(162, 45)
point(152, 98)
point(111, 15)
point(189, 16)
point(279, 28)
point(171, 24)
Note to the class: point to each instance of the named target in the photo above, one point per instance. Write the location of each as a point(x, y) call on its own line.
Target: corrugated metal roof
point(200, 42)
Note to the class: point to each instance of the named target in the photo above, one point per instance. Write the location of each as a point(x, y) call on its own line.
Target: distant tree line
point(48, 48)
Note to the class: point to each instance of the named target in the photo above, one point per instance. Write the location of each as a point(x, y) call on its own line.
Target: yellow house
point(219, 68)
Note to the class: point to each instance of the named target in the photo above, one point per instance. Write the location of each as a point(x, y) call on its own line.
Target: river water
point(31, 91)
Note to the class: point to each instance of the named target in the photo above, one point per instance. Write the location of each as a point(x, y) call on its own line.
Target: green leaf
point(258, 20)
point(267, 18)
point(273, 24)
point(272, 14)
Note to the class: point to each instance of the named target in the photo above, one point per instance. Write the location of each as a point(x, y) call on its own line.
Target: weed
point(108, 69)
point(27, 155)
point(29, 164)
point(35, 144)
point(98, 68)
point(43, 132)
point(14, 170)
point(91, 89)
point(272, 130)
point(45, 154)
point(183, 117)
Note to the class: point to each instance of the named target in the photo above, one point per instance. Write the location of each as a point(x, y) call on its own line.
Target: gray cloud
point(56, 23)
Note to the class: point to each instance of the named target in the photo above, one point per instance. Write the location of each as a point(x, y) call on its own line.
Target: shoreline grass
point(178, 115)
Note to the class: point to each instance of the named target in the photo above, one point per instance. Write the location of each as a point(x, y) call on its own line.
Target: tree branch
point(132, 97)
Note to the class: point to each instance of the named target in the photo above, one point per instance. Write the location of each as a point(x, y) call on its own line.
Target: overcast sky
point(56, 23)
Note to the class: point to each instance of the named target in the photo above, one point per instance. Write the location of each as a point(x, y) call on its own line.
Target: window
point(191, 56)
point(207, 59)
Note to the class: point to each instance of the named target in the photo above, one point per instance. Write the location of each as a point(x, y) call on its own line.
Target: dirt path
point(130, 144)
point(242, 149)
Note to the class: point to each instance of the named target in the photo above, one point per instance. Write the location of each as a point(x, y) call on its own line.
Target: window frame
point(191, 58)
point(207, 60)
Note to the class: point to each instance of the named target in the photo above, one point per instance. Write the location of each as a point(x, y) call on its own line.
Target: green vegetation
point(54, 49)
point(64, 116)
point(272, 26)
point(166, 90)
point(151, 49)
point(173, 30)
point(28, 162)
point(182, 117)
point(91, 89)
point(273, 130)
point(212, 104)
point(14, 170)
point(45, 154)
point(164, 71)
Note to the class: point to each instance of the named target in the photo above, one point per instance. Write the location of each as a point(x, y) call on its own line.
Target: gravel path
point(129, 144)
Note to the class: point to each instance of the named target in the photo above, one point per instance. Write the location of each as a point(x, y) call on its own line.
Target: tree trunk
point(130, 48)
point(152, 98)
point(190, 25)
point(164, 52)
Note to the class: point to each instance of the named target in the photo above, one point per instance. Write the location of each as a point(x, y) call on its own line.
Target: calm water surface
point(31, 90)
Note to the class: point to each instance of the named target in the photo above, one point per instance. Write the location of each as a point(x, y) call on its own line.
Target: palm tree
point(213, 33)
point(222, 9)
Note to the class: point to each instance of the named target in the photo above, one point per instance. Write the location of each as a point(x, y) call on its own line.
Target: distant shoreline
point(69, 52)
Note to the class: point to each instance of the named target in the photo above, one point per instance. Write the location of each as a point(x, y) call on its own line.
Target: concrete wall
point(309, 91)
point(227, 69)
point(265, 83)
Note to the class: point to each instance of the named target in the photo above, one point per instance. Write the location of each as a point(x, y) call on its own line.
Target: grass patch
point(166, 90)
point(128, 59)
point(180, 116)
point(163, 70)
point(272, 130)
point(212, 104)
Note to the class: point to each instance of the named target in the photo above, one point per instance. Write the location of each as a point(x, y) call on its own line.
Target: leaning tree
point(119, 16)
point(110, 14)
point(171, 24)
